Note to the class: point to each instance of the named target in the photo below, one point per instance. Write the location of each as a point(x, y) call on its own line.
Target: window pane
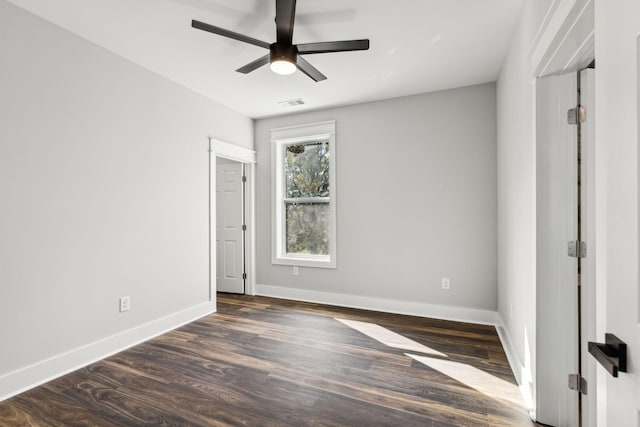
point(307, 228)
point(306, 169)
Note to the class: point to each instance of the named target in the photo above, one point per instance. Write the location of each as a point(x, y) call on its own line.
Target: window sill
point(305, 261)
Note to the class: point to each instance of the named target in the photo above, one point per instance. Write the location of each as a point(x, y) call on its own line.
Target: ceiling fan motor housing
point(281, 52)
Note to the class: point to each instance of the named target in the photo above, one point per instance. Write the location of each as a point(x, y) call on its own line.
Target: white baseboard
point(509, 349)
point(23, 379)
point(516, 364)
point(460, 314)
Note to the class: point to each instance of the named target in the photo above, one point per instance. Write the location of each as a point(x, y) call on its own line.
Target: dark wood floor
point(269, 362)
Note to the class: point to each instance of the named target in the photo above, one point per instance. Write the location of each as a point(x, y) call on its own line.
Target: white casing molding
point(280, 138)
point(23, 379)
point(231, 151)
point(566, 39)
point(248, 157)
point(444, 312)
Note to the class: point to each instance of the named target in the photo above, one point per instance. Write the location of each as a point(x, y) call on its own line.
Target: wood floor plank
point(267, 362)
point(385, 398)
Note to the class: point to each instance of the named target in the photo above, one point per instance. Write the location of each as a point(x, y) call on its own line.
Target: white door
point(556, 272)
point(618, 97)
point(229, 222)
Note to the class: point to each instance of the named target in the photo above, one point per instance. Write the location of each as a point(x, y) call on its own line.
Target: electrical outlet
point(445, 283)
point(296, 270)
point(125, 304)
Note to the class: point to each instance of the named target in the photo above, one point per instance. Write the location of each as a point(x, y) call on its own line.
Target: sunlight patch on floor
point(389, 338)
point(481, 381)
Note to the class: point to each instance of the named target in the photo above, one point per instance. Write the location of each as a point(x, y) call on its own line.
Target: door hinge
point(576, 115)
point(244, 227)
point(577, 249)
point(244, 178)
point(244, 276)
point(577, 383)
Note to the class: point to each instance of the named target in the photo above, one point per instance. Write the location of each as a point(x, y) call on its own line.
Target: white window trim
point(280, 138)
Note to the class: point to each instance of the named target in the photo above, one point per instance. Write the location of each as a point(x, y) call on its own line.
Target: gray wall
point(517, 203)
point(517, 198)
point(416, 196)
point(103, 191)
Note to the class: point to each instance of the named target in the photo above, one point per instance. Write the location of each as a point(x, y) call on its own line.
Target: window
point(304, 205)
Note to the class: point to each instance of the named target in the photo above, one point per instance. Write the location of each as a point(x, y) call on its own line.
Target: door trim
point(566, 39)
point(232, 151)
point(226, 150)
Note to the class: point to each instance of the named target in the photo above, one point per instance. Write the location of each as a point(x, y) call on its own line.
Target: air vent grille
point(291, 103)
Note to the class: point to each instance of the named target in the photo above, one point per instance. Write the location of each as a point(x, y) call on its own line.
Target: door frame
point(565, 43)
point(226, 150)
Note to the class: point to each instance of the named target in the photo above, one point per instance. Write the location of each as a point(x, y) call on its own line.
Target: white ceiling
point(417, 46)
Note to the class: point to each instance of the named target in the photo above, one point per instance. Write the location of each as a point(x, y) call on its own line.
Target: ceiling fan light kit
point(282, 66)
point(284, 57)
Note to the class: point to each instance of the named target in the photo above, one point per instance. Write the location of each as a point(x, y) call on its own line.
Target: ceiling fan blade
point(328, 47)
point(285, 15)
point(254, 65)
point(230, 34)
point(310, 70)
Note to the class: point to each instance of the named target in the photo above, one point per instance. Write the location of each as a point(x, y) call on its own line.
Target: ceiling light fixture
point(282, 66)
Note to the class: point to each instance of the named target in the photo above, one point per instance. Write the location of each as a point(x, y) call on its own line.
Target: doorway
point(231, 274)
point(244, 159)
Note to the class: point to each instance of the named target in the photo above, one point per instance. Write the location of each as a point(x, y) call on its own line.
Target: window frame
point(280, 139)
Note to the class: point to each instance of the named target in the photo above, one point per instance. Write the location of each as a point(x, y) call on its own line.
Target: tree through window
point(306, 168)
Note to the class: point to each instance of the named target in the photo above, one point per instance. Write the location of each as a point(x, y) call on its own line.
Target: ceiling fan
point(284, 57)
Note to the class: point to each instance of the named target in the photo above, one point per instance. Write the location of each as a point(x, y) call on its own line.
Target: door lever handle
point(612, 355)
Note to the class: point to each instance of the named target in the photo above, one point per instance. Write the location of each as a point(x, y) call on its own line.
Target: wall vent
point(291, 103)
